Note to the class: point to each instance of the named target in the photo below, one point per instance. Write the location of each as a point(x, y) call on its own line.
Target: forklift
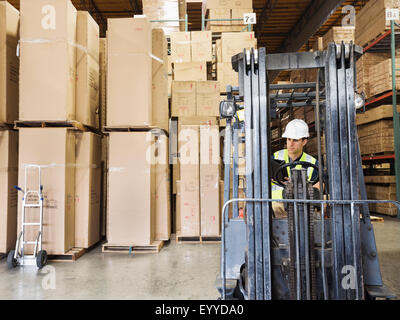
point(325, 248)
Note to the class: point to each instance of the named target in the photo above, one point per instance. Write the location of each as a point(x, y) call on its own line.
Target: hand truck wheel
point(41, 259)
point(11, 261)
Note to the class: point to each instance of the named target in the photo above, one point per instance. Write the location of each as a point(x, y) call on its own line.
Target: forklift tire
point(41, 259)
point(11, 261)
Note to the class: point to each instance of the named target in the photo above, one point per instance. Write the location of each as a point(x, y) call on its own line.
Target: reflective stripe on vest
point(277, 191)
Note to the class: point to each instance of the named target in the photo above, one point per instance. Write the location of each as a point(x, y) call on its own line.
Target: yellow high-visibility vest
point(277, 191)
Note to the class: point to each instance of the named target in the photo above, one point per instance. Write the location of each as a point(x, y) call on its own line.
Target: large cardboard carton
point(190, 71)
point(129, 79)
point(163, 10)
point(201, 46)
point(183, 98)
point(188, 141)
point(234, 43)
point(198, 121)
point(180, 47)
point(162, 189)
point(207, 98)
point(54, 147)
point(210, 4)
point(9, 62)
point(371, 20)
point(87, 70)
point(238, 13)
point(226, 75)
point(131, 205)
point(160, 80)
point(8, 195)
point(242, 3)
point(339, 34)
point(215, 4)
point(87, 189)
point(209, 180)
point(47, 60)
point(224, 23)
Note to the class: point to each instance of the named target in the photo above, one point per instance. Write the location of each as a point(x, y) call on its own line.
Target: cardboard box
point(190, 71)
point(183, 98)
point(209, 180)
point(54, 147)
point(162, 189)
point(131, 178)
point(207, 98)
point(160, 80)
point(8, 195)
point(103, 81)
point(363, 66)
point(129, 87)
point(380, 77)
point(87, 189)
point(234, 43)
point(201, 46)
point(219, 13)
point(226, 76)
point(242, 4)
point(198, 120)
point(129, 35)
point(339, 34)
point(47, 61)
point(163, 10)
point(9, 62)
point(214, 4)
point(188, 142)
point(371, 20)
point(180, 47)
point(238, 13)
point(87, 70)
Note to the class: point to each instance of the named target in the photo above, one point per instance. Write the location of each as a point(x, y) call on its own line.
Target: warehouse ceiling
point(282, 25)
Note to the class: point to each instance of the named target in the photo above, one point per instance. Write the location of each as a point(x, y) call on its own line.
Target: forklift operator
point(297, 134)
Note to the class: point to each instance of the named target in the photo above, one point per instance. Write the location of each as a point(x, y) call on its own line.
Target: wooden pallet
point(155, 247)
point(197, 239)
point(54, 124)
point(72, 255)
point(377, 219)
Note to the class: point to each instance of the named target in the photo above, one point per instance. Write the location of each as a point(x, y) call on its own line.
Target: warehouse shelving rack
point(384, 43)
point(176, 20)
point(204, 20)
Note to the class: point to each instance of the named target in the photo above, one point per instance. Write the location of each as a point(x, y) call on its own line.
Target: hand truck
point(18, 257)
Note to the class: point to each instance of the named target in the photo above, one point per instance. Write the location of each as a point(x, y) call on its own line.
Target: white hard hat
point(296, 129)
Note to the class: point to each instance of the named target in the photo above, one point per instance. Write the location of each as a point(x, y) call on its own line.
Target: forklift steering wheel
point(304, 164)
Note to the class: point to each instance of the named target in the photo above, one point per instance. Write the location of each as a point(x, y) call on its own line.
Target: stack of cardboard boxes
point(230, 44)
point(137, 111)
point(158, 10)
point(195, 104)
point(9, 65)
point(226, 14)
point(59, 85)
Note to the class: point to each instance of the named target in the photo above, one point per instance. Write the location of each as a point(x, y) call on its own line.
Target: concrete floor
point(178, 271)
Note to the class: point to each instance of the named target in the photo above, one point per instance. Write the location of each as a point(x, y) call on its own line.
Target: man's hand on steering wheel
point(304, 164)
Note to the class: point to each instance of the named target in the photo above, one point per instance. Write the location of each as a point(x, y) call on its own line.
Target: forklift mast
point(325, 248)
